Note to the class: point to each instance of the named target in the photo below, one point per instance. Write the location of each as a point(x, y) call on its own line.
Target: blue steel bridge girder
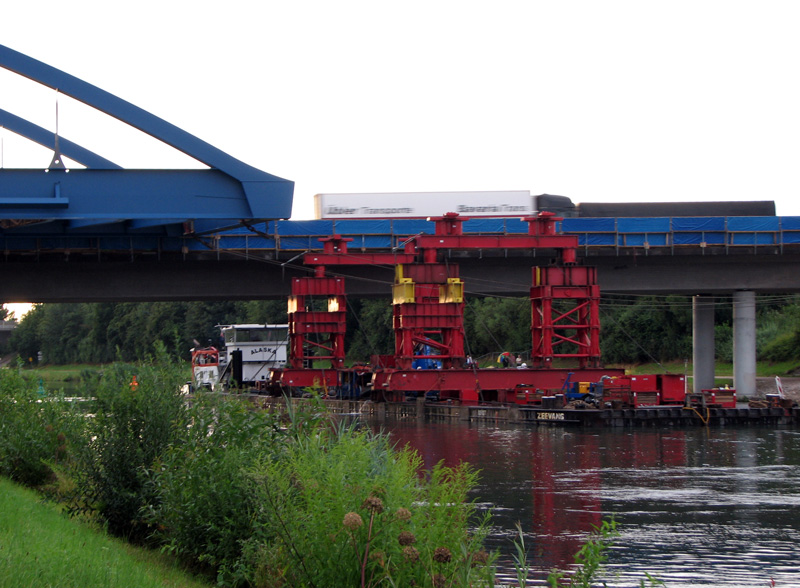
point(104, 193)
point(45, 138)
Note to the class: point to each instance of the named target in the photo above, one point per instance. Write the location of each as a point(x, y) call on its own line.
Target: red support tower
point(428, 310)
point(317, 314)
point(565, 316)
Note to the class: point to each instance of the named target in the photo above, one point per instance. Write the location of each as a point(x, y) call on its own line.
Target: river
point(714, 507)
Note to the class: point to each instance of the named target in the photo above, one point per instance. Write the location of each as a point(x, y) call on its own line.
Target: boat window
point(256, 335)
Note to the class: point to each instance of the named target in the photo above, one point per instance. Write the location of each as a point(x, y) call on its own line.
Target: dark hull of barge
point(656, 416)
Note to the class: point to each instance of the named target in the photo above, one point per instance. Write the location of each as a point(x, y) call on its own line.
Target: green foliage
point(262, 312)
point(369, 328)
point(263, 502)
point(102, 333)
point(25, 338)
point(32, 430)
point(778, 337)
point(132, 426)
point(723, 342)
point(204, 507)
point(784, 347)
point(648, 328)
point(257, 498)
point(494, 325)
point(342, 508)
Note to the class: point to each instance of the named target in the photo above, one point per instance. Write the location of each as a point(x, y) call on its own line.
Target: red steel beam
point(485, 379)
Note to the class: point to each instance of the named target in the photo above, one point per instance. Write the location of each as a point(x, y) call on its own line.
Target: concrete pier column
point(703, 342)
point(744, 342)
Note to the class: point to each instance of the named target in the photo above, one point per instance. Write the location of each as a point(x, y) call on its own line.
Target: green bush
point(131, 427)
point(343, 508)
point(301, 501)
point(785, 347)
point(32, 430)
point(204, 507)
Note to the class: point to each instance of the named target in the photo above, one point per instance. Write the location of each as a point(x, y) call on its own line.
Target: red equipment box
point(673, 388)
point(644, 383)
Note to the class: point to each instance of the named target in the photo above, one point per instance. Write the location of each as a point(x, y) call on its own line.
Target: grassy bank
point(41, 547)
point(68, 377)
point(722, 370)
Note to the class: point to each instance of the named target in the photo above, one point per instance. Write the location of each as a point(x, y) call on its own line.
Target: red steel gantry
point(428, 305)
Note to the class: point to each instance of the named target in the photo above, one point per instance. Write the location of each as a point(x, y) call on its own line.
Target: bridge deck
point(647, 236)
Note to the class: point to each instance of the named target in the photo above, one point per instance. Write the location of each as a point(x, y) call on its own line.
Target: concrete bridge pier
point(703, 342)
point(744, 342)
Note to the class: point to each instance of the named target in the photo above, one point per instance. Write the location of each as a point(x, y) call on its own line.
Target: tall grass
point(41, 547)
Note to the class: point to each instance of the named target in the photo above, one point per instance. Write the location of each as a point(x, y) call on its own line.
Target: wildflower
point(406, 538)
point(439, 581)
point(373, 504)
point(378, 556)
point(442, 555)
point(352, 521)
point(402, 514)
point(480, 558)
point(411, 553)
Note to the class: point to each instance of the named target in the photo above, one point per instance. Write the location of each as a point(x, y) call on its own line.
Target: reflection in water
point(694, 506)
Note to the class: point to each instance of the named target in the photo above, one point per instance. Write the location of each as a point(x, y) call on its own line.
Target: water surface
point(715, 507)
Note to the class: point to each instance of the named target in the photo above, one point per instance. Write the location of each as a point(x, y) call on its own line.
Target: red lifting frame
point(428, 302)
point(575, 321)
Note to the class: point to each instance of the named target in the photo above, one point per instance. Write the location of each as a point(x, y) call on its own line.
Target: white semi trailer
point(424, 204)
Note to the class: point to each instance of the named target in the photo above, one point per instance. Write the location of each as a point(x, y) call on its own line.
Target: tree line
point(634, 329)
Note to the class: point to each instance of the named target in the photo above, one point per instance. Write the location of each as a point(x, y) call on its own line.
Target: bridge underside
point(170, 277)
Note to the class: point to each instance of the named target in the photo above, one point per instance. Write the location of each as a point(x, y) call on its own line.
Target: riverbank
point(41, 547)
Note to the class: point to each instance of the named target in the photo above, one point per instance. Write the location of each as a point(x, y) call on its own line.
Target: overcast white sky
point(595, 100)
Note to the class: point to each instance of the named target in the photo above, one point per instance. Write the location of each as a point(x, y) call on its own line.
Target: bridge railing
point(593, 233)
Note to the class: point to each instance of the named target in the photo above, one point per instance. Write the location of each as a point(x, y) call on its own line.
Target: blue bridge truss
point(104, 200)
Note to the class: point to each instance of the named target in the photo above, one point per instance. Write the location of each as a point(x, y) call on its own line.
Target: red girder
point(323, 259)
point(495, 242)
point(408, 380)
